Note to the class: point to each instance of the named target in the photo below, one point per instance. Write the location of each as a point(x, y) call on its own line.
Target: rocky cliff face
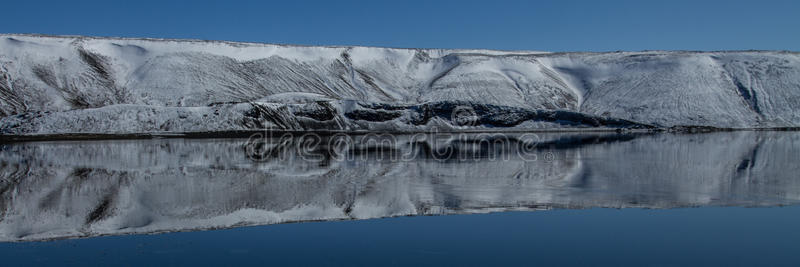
point(102, 85)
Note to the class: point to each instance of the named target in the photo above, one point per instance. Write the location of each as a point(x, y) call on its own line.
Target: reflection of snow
point(73, 189)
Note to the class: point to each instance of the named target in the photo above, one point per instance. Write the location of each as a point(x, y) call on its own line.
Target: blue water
point(675, 237)
point(744, 187)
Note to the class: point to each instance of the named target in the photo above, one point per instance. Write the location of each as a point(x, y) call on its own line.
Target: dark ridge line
point(7, 139)
point(248, 133)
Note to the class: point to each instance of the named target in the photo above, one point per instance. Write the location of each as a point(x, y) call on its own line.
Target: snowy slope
point(45, 79)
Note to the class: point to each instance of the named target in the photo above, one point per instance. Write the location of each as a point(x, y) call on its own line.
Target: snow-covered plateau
point(72, 84)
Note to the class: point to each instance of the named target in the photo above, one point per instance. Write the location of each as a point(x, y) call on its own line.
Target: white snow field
point(70, 84)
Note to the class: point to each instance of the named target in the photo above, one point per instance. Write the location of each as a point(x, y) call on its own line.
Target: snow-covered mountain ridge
point(52, 84)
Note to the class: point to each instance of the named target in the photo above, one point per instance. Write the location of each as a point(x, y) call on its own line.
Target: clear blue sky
point(530, 25)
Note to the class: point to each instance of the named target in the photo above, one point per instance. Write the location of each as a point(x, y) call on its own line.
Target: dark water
point(552, 198)
point(677, 237)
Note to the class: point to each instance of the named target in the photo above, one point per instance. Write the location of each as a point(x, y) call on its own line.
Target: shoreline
point(6, 139)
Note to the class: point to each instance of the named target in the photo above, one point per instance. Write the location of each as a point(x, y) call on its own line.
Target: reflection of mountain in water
point(75, 189)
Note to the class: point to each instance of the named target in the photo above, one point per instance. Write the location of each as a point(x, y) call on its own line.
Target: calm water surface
point(557, 198)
